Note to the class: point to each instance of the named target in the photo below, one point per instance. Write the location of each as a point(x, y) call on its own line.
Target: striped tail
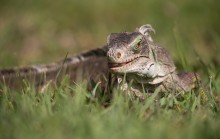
point(86, 66)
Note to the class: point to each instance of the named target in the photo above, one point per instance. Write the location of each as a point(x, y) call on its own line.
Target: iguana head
point(128, 52)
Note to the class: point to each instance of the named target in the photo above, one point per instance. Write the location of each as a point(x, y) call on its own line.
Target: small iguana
point(134, 54)
point(136, 57)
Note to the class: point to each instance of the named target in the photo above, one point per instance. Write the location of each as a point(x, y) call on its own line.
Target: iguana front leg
point(130, 90)
point(136, 87)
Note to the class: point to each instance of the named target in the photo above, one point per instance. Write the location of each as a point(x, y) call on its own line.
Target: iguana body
point(131, 54)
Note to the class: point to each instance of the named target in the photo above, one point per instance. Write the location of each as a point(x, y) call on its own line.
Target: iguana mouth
point(123, 64)
point(116, 65)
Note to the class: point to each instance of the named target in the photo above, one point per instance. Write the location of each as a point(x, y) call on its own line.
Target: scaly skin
point(145, 64)
point(90, 66)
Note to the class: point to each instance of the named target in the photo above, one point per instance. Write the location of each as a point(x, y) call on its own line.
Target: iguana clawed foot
point(130, 91)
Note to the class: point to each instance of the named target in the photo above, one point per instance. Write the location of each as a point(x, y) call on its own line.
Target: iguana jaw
point(121, 63)
point(123, 67)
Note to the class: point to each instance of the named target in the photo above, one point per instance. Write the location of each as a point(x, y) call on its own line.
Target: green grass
point(73, 112)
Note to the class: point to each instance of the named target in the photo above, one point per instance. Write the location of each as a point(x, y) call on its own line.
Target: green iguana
point(130, 54)
point(148, 66)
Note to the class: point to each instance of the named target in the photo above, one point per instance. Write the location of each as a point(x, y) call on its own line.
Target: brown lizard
point(134, 54)
point(148, 66)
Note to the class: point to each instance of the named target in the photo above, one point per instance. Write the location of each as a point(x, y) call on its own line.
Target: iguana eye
point(137, 46)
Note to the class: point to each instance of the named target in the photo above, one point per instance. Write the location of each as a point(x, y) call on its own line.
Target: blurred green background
point(43, 31)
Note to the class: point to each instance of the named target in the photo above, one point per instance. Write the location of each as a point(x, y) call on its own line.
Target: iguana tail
point(90, 65)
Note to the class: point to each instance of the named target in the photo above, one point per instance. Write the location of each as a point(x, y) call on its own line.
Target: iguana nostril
point(118, 55)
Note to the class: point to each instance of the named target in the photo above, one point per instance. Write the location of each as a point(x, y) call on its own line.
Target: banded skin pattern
point(88, 66)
